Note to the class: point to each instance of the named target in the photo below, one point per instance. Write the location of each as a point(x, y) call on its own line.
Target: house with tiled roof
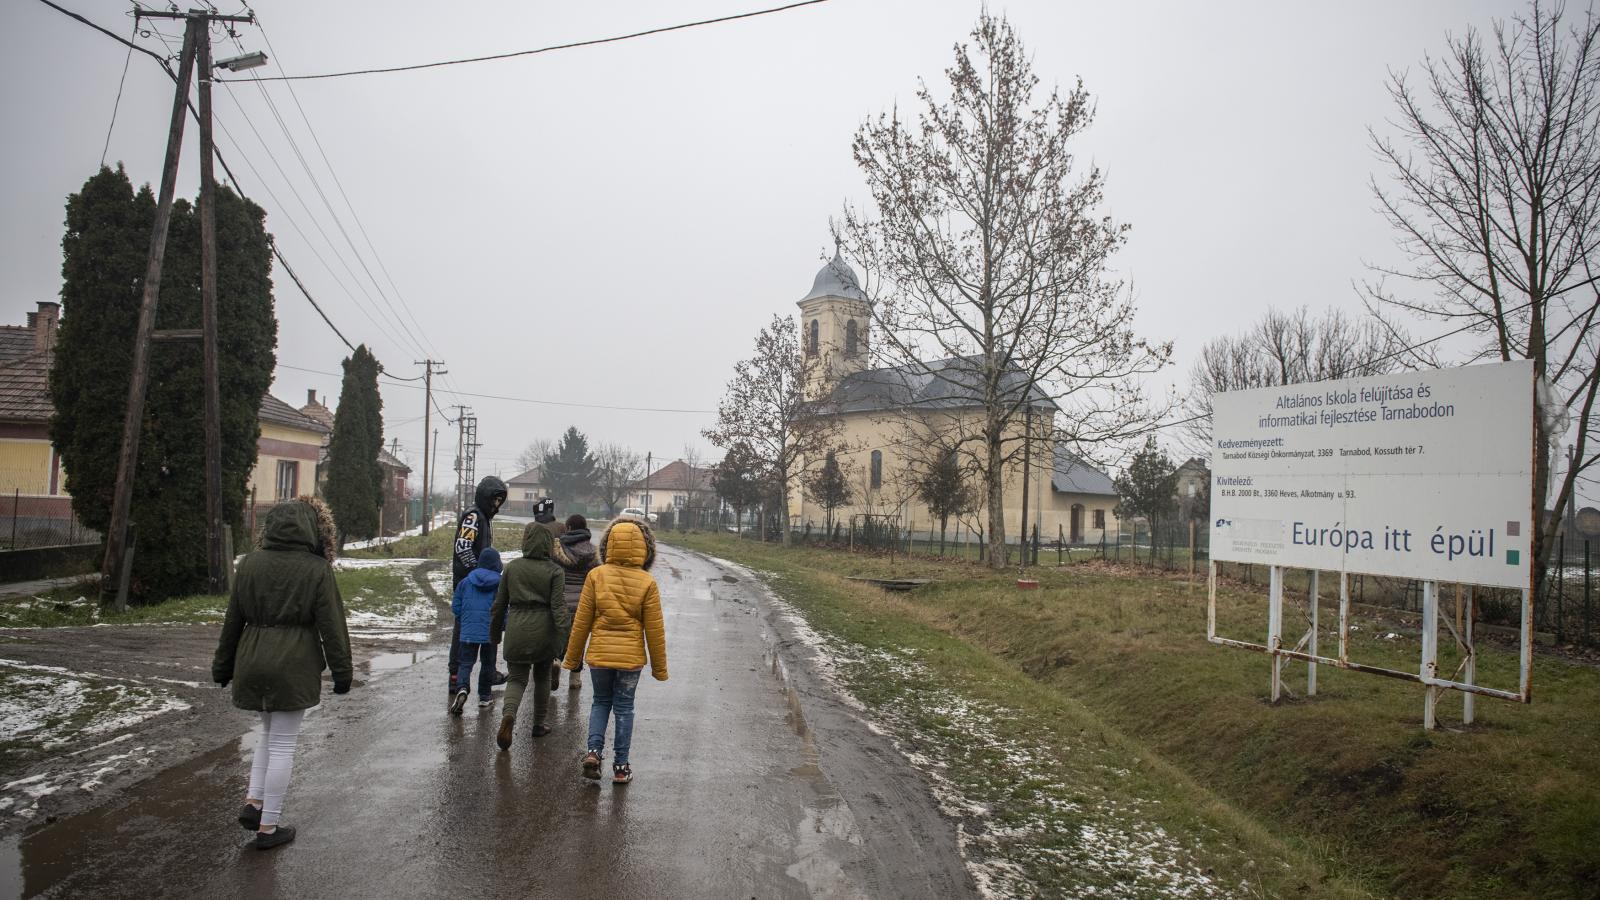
point(31, 477)
point(32, 490)
point(676, 485)
point(395, 513)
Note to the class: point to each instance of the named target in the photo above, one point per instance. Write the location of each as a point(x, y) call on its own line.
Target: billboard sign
point(1424, 475)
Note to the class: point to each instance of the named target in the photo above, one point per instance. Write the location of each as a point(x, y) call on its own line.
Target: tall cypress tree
point(355, 481)
point(108, 234)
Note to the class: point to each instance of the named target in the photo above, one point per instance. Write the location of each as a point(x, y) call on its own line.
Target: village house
point(522, 490)
point(1192, 489)
point(890, 416)
point(675, 486)
point(395, 515)
point(31, 481)
point(286, 456)
point(30, 468)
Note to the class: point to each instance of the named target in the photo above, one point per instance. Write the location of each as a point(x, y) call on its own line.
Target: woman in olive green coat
point(285, 624)
point(530, 610)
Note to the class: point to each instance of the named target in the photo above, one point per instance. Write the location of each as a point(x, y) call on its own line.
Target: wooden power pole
point(427, 429)
point(196, 45)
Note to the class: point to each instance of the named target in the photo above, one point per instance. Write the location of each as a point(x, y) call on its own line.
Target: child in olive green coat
point(530, 613)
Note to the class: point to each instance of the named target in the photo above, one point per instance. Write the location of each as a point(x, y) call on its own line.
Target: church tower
point(834, 322)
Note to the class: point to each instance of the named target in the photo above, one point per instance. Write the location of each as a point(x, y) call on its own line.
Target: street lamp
point(240, 63)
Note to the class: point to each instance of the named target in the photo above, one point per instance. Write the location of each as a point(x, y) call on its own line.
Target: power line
point(339, 183)
point(118, 103)
point(554, 47)
point(163, 63)
point(536, 401)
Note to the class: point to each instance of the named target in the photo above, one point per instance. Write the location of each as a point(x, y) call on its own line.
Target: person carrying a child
point(472, 602)
point(531, 614)
point(619, 616)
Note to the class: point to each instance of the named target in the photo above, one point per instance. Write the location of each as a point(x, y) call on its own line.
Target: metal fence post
point(16, 502)
point(1561, 588)
point(1588, 634)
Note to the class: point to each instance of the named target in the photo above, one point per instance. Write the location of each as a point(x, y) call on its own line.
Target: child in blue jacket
point(472, 601)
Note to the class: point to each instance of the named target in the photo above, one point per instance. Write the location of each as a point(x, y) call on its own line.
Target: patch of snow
point(418, 637)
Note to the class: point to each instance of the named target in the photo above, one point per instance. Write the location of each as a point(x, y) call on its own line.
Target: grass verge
point(380, 591)
point(1345, 789)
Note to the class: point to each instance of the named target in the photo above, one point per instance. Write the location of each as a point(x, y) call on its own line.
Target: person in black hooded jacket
point(474, 532)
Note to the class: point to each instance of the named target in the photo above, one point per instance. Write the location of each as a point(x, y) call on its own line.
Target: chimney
point(311, 396)
point(44, 324)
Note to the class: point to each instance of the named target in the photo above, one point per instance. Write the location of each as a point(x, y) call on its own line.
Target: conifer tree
point(107, 236)
point(355, 480)
point(828, 488)
point(570, 472)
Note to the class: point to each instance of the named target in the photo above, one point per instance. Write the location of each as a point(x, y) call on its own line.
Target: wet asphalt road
point(752, 780)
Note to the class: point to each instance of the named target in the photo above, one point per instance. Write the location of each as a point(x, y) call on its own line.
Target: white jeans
point(269, 774)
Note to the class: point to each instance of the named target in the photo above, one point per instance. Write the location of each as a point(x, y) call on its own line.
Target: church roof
point(942, 384)
point(1074, 475)
point(835, 279)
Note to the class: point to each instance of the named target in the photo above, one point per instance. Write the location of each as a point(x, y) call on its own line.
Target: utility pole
point(469, 470)
point(196, 44)
point(463, 412)
point(649, 459)
point(427, 428)
point(429, 471)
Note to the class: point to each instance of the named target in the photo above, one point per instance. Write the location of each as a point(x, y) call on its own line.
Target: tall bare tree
point(1494, 187)
point(1287, 348)
point(766, 411)
point(616, 470)
point(987, 260)
point(532, 456)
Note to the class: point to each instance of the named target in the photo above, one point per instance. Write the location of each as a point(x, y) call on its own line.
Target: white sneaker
point(459, 702)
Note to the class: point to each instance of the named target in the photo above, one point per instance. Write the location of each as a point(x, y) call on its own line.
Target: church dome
point(836, 279)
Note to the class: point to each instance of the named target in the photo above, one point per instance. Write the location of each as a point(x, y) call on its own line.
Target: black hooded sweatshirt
point(473, 532)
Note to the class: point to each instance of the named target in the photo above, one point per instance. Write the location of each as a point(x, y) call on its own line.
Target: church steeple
point(835, 320)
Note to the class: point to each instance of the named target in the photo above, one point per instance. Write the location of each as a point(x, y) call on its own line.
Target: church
point(891, 419)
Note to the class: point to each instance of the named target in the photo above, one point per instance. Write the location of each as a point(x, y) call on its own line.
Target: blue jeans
point(470, 653)
point(613, 696)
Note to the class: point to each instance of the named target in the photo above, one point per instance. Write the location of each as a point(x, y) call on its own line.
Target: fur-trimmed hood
point(304, 523)
point(629, 542)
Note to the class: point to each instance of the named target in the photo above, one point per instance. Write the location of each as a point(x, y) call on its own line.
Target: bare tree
point(694, 490)
point(1287, 348)
point(616, 470)
point(532, 456)
point(766, 411)
point(988, 263)
point(1494, 188)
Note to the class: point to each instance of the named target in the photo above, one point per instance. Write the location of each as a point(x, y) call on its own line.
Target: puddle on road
point(827, 820)
point(388, 662)
point(11, 866)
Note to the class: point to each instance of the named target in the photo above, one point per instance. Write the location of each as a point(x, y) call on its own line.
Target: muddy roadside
point(88, 711)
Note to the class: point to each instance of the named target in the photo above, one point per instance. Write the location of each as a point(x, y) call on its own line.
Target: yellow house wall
point(25, 467)
point(263, 483)
point(865, 432)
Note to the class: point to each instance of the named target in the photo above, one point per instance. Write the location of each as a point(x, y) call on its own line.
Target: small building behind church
point(892, 418)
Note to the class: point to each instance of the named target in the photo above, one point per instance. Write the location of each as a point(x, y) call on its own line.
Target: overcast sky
point(611, 225)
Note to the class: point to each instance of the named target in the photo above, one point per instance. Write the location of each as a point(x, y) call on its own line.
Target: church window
point(877, 469)
point(852, 342)
point(813, 335)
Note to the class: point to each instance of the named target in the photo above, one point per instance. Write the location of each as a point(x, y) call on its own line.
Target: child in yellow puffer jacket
point(619, 615)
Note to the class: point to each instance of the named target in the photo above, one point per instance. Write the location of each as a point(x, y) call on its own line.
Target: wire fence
point(31, 520)
point(1570, 613)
